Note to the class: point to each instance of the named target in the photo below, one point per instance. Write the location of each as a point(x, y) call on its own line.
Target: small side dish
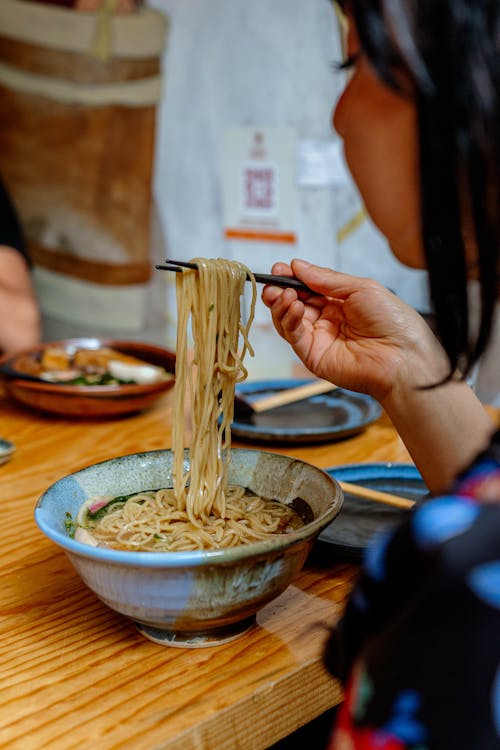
point(88, 366)
point(6, 450)
point(89, 377)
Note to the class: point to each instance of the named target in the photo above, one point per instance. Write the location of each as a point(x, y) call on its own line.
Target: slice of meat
point(55, 358)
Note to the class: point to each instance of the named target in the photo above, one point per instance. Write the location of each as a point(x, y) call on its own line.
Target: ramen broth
point(146, 522)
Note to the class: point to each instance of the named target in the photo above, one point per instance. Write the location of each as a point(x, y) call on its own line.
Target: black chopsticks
point(289, 282)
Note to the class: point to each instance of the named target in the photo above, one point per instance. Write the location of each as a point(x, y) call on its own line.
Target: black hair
point(449, 50)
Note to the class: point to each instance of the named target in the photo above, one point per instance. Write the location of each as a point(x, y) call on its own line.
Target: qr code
point(260, 188)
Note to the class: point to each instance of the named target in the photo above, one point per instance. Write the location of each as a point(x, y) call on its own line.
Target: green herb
point(97, 379)
point(69, 524)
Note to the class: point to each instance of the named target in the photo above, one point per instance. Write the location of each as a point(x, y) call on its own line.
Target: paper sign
point(260, 195)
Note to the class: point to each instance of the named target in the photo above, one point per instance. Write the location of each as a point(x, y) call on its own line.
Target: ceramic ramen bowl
point(204, 597)
point(88, 401)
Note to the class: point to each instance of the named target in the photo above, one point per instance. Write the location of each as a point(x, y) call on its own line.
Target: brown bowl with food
point(89, 377)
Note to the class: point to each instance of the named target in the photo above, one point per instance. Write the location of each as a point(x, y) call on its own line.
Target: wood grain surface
point(75, 674)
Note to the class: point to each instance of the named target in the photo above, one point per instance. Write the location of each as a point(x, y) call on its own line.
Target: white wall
point(265, 63)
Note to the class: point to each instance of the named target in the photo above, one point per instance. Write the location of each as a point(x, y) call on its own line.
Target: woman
point(419, 646)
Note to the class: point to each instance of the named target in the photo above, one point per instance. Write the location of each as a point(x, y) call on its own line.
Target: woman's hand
point(354, 332)
point(360, 336)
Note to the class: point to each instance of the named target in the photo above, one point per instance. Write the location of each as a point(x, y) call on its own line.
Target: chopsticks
point(287, 282)
point(376, 495)
point(290, 396)
point(245, 408)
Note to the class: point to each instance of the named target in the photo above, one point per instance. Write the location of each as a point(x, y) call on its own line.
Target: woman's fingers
point(292, 322)
point(280, 305)
point(282, 269)
point(327, 282)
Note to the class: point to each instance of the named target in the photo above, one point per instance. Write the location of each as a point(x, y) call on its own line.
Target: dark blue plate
point(360, 519)
point(330, 416)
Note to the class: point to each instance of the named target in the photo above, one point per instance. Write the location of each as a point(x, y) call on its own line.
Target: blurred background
point(134, 131)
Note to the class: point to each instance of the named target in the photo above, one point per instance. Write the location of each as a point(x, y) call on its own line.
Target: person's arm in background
point(19, 314)
point(20, 325)
point(360, 336)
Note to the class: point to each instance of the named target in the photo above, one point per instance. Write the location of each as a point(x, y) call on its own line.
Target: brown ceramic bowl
point(89, 400)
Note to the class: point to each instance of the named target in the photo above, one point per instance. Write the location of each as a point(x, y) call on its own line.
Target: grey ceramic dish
point(318, 419)
point(6, 450)
point(361, 519)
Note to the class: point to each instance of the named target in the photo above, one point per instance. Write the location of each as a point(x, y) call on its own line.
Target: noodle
point(201, 511)
point(152, 521)
point(211, 296)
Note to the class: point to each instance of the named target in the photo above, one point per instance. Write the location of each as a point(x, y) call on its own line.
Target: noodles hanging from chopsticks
point(201, 511)
point(211, 298)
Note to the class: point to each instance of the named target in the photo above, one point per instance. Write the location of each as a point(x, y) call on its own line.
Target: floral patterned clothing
point(419, 645)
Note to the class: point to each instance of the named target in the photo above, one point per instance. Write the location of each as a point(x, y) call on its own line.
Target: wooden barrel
point(78, 99)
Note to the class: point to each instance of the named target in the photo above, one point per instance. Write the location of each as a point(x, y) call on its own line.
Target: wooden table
point(75, 674)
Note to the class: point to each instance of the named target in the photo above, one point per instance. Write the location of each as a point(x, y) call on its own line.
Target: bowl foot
point(196, 639)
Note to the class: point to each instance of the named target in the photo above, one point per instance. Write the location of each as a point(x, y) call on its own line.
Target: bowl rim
point(98, 391)
point(191, 558)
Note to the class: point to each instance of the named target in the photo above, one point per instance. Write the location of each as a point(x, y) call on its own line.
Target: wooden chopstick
point(376, 495)
point(290, 395)
point(288, 282)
